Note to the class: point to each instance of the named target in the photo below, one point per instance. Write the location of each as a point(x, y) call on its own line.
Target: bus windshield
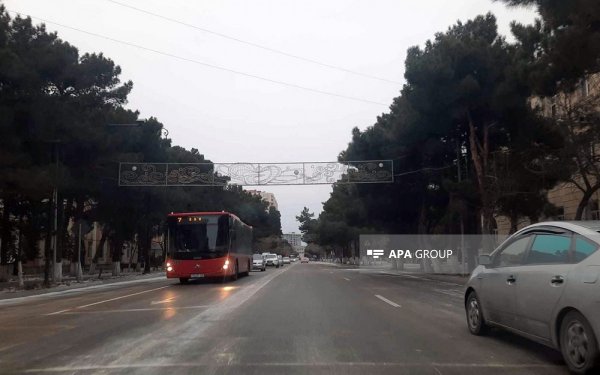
point(199, 237)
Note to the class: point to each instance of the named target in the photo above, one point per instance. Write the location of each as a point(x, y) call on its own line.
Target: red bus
point(207, 245)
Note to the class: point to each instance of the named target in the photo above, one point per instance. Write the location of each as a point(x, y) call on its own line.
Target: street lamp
point(56, 273)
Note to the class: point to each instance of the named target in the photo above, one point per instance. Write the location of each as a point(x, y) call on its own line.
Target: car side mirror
point(484, 260)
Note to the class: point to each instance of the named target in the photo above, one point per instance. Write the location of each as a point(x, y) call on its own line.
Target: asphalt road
point(300, 319)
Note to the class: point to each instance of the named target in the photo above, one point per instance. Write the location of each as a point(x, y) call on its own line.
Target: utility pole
point(56, 275)
point(78, 269)
point(460, 214)
point(54, 234)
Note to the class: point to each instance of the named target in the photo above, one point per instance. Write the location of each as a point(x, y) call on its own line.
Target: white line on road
point(109, 300)
point(347, 279)
point(387, 301)
point(16, 300)
point(174, 308)
point(163, 301)
point(177, 337)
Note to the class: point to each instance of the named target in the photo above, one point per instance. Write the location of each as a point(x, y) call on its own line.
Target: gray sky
point(233, 118)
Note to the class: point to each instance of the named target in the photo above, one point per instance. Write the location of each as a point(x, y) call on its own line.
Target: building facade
point(294, 239)
point(267, 197)
point(566, 196)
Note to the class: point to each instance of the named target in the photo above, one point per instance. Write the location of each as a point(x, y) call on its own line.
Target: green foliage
point(55, 105)
point(464, 141)
point(563, 45)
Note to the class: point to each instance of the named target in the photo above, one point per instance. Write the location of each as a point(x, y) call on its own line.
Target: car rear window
point(549, 248)
point(583, 248)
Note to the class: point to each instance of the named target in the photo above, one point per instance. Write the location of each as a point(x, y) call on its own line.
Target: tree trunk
point(583, 203)
point(116, 255)
point(77, 215)
point(47, 250)
point(6, 232)
point(514, 223)
point(479, 156)
point(20, 274)
point(99, 249)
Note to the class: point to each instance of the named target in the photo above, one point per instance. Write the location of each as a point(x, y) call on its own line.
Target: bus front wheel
point(235, 272)
point(183, 280)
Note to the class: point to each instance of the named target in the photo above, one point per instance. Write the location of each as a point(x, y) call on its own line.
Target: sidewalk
point(34, 286)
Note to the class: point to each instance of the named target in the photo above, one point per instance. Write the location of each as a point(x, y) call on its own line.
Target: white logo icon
point(375, 253)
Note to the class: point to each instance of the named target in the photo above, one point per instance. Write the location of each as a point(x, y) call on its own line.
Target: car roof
point(589, 228)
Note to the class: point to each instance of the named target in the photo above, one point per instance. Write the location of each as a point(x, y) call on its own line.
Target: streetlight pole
point(56, 275)
point(78, 269)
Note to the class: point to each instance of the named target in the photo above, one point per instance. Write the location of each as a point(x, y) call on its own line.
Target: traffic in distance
point(214, 245)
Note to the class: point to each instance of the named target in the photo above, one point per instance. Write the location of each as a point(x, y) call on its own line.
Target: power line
point(256, 45)
point(424, 169)
point(288, 84)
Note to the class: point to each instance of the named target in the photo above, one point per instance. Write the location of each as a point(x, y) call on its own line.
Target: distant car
point(543, 283)
point(286, 260)
point(280, 260)
point(259, 262)
point(293, 259)
point(304, 260)
point(272, 260)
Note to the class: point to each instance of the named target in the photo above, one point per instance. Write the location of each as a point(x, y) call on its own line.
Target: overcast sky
point(233, 118)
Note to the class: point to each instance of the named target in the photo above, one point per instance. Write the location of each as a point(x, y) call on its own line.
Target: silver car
point(259, 262)
point(543, 283)
point(272, 260)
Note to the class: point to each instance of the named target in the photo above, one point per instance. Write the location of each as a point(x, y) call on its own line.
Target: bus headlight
point(226, 265)
point(169, 268)
point(168, 264)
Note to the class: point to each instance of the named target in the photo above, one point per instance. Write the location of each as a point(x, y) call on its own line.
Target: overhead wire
point(253, 44)
point(424, 169)
point(198, 62)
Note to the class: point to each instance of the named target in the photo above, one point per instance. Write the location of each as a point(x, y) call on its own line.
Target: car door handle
point(558, 279)
point(511, 279)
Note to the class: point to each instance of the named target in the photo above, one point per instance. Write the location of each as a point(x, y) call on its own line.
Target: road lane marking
point(347, 279)
point(192, 329)
point(136, 310)
point(387, 301)
point(108, 300)
point(16, 300)
point(163, 301)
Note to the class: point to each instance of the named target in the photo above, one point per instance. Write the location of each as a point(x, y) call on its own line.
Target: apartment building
point(566, 196)
point(267, 197)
